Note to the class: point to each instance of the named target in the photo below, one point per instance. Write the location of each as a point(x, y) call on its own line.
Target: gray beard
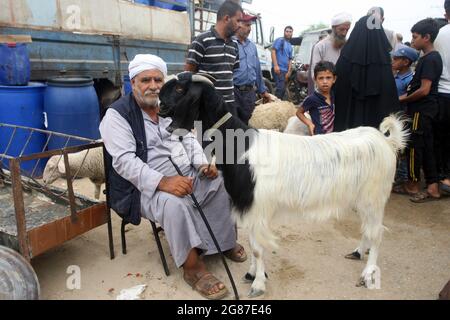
point(147, 103)
point(338, 41)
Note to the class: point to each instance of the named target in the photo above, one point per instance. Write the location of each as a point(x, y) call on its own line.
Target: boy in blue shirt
point(402, 59)
point(320, 104)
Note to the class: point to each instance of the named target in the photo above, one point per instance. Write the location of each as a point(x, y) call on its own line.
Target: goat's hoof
point(353, 256)
point(361, 282)
point(248, 278)
point(254, 293)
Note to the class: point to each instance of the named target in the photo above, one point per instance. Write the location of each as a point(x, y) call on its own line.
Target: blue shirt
point(322, 113)
point(249, 71)
point(284, 53)
point(402, 81)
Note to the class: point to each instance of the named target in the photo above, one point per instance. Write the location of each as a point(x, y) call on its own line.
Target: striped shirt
point(218, 58)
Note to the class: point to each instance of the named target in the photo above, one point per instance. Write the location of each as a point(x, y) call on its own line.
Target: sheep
point(295, 126)
point(273, 115)
point(92, 167)
point(318, 177)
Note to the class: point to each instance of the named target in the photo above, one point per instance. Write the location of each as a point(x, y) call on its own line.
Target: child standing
point(402, 59)
point(320, 104)
point(422, 107)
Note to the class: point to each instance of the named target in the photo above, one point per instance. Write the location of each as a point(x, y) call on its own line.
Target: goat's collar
point(218, 124)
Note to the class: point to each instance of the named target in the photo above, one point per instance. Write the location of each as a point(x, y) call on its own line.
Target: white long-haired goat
point(319, 177)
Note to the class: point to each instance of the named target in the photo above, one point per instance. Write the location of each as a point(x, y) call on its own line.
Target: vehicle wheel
point(18, 281)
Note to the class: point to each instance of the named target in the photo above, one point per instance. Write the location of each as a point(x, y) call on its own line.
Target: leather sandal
point(203, 282)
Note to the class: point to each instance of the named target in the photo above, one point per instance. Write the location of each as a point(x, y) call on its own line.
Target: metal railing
point(13, 154)
point(11, 160)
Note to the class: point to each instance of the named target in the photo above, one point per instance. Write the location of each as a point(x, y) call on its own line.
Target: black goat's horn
point(202, 78)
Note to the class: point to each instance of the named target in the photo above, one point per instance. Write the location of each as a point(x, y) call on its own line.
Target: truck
point(306, 43)
point(80, 37)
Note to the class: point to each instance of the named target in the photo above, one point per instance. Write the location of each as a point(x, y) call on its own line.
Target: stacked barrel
point(66, 105)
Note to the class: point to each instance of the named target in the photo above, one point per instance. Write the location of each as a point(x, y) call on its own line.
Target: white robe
point(182, 223)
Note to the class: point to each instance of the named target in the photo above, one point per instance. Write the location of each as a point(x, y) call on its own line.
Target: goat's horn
point(170, 78)
point(202, 78)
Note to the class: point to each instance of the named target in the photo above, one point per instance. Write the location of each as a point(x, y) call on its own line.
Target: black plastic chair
point(156, 231)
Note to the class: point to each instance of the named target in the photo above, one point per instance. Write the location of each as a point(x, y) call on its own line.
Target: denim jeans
point(245, 104)
point(280, 83)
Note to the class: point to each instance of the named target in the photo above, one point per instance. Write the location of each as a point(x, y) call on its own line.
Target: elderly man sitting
point(144, 182)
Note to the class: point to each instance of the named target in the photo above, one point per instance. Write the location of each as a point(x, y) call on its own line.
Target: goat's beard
point(148, 101)
point(338, 40)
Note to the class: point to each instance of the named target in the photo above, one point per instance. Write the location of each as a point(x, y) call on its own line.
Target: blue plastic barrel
point(71, 107)
point(165, 5)
point(145, 2)
point(14, 64)
point(127, 85)
point(23, 106)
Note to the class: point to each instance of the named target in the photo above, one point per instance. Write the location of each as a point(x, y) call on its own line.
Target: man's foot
point(237, 254)
point(206, 284)
point(423, 197)
point(403, 189)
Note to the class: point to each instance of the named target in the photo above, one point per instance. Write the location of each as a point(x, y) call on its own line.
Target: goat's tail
point(394, 129)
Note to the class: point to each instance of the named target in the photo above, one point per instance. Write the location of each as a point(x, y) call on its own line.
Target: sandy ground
point(309, 264)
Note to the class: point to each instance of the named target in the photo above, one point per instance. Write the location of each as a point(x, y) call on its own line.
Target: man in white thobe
point(329, 49)
point(164, 195)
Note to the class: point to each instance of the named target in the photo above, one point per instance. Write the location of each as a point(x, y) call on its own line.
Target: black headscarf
point(365, 88)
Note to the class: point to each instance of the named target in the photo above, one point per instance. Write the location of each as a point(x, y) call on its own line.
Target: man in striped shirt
point(214, 52)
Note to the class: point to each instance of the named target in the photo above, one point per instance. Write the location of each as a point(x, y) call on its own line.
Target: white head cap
point(143, 62)
point(341, 18)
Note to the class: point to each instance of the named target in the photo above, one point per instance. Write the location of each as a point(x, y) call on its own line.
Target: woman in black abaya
point(365, 89)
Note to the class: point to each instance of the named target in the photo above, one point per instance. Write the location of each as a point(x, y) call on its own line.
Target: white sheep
point(273, 115)
point(295, 126)
point(92, 167)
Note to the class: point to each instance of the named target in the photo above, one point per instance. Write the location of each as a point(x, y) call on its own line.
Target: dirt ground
point(309, 264)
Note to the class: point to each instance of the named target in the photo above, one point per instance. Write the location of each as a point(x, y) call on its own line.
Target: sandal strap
point(206, 282)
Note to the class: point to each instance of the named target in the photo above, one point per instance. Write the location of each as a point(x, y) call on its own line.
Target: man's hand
point(277, 70)
point(210, 171)
point(177, 185)
point(266, 97)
